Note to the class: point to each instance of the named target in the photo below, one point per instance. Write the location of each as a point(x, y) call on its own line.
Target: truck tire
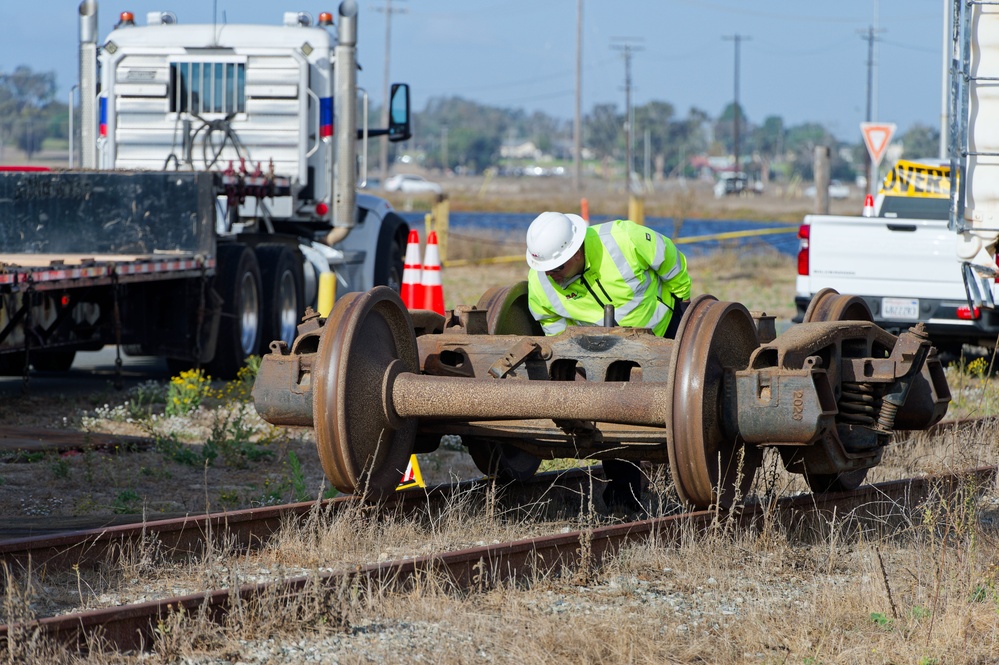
point(391, 249)
point(238, 283)
point(284, 299)
point(53, 361)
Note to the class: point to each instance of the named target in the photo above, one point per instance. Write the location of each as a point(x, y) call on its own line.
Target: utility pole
point(388, 9)
point(870, 36)
point(945, 81)
point(738, 39)
point(577, 127)
point(444, 165)
point(627, 48)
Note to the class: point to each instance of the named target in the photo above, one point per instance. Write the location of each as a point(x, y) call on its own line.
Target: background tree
point(26, 108)
point(474, 132)
point(687, 137)
point(801, 141)
point(724, 129)
point(921, 142)
point(655, 117)
point(604, 129)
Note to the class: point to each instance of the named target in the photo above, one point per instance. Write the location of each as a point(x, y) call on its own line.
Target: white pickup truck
point(902, 261)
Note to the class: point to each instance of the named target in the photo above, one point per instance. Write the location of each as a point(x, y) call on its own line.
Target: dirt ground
point(257, 464)
point(689, 199)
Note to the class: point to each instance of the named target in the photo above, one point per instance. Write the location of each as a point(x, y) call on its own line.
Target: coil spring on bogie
point(858, 405)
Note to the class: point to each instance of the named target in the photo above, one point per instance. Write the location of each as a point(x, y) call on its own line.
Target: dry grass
point(692, 199)
point(760, 278)
point(926, 592)
point(922, 592)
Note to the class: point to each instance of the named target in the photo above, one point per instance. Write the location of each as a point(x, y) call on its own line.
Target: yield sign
point(877, 135)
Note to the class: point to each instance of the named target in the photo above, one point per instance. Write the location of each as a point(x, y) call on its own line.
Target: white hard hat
point(553, 238)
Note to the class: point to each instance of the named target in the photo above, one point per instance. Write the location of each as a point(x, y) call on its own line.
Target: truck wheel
point(53, 361)
point(284, 300)
point(391, 249)
point(238, 283)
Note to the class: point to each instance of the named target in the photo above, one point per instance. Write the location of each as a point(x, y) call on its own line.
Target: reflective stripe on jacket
point(629, 266)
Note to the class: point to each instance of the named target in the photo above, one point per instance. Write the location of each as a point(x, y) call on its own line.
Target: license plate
point(900, 308)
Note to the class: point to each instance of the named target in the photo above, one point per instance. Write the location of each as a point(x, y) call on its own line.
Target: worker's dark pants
point(624, 478)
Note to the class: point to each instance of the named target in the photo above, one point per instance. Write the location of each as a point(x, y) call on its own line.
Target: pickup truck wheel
point(390, 251)
point(52, 361)
point(238, 283)
point(282, 277)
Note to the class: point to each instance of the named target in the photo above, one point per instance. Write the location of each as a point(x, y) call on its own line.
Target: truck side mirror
point(399, 126)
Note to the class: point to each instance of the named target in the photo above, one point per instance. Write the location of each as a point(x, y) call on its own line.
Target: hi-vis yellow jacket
point(629, 266)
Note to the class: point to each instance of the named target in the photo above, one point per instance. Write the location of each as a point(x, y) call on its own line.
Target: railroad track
point(23, 439)
point(245, 529)
point(182, 536)
point(131, 627)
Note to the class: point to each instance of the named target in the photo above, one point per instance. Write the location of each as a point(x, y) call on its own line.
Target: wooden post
point(822, 179)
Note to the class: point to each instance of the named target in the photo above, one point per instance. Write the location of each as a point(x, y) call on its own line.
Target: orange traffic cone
point(869, 206)
point(433, 288)
point(412, 289)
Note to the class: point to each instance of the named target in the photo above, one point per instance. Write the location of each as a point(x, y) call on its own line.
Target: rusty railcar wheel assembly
point(827, 394)
point(506, 314)
point(362, 447)
point(705, 457)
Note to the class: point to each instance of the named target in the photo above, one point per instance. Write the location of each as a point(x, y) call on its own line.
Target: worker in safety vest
point(578, 269)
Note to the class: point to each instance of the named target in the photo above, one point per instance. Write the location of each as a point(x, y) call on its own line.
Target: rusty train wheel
point(706, 461)
point(507, 314)
point(831, 305)
point(360, 449)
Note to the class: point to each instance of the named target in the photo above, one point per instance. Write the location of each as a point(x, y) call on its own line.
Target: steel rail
point(251, 527)
point(132, 627)
point(19, 438)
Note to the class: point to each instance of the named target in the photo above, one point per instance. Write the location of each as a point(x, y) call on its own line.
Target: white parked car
point(837, 190)
point(411, 184)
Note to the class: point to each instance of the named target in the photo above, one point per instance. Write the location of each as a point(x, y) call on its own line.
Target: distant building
point(519, 150)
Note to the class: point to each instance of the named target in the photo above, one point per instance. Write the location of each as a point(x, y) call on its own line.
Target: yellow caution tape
point(728, 235)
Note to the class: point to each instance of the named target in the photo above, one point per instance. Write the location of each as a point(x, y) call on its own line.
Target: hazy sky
point(802, 60)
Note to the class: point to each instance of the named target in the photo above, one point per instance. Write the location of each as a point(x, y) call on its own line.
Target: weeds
point(232, 439)
point(127, 502)
point(187, 391)
point(298, 487)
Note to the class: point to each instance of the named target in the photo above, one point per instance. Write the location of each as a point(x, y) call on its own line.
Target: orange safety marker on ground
point(433, 287)
point(584, 209)
point(412, 477)
point(412, 290)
